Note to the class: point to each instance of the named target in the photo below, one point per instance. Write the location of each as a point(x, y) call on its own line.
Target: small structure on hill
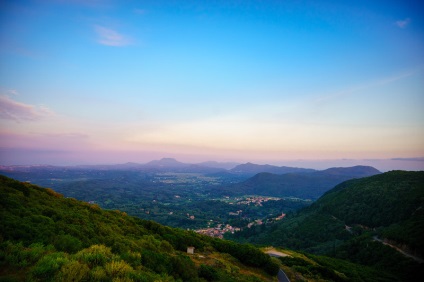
point(190, 250)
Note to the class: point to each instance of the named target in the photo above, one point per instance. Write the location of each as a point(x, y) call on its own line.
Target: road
point(420, 260)
point(282, 277)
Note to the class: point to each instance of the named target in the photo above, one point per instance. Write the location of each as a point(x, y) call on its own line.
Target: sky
point(308, 83)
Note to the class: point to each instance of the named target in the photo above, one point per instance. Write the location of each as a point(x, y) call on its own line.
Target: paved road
point(282, 277)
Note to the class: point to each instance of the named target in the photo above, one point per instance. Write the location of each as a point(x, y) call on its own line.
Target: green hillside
point(46, 237)
point(310, 185)
point(349, 220)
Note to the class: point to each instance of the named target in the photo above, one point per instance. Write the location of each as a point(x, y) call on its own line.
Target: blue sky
point(266, 81)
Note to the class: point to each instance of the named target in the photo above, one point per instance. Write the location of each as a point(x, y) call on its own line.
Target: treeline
point(47, 237)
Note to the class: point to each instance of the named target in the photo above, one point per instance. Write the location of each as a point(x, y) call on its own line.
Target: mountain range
point(251, 169)
point(304, 184)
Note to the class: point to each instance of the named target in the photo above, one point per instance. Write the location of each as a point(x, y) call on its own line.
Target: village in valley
point(220, 229)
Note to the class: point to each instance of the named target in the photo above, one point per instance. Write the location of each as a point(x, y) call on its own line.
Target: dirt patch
point(275, 253)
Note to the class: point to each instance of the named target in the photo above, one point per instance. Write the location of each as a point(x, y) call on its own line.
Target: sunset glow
point(284, 82)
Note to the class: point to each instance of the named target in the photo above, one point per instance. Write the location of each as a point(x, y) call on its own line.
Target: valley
point(191, 196)
point(336, 233)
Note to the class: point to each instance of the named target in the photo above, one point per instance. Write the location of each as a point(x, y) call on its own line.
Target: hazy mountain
point(301, 185)
point(172, 165)
point(252, 169)
point(223, 165)
point(166, 163)
point(356, 171)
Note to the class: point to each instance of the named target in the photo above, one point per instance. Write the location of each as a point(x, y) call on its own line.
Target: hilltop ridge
point(352, 220)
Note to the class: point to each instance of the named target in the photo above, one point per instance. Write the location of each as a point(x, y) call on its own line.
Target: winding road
point(282, 277)
point(418, 259)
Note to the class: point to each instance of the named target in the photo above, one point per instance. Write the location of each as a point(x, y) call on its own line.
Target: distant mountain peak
point(358, 171)
point(169, 160)
point(166, 162)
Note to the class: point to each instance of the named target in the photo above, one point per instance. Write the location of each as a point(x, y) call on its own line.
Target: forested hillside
point(349, 220)
point(46, 237)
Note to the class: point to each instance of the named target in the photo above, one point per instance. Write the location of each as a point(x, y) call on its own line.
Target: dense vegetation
point(347, 221)
point(47, 237)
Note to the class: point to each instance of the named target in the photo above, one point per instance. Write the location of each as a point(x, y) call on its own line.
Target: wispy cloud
point(110, 37)
point(420, 159)
point(72, 135)
point(376, 83)
point(403, 23)
point(13, 110)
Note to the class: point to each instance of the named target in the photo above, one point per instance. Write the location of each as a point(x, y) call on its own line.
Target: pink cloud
point(13, 110)
point(110, 37)
point(72, 141)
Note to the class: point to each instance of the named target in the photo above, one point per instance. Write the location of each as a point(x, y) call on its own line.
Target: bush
point(47, 267)
point(18, 255)
point(96, 255)
point(98, 273)
point(183, 268)
point(118, 269)
point(133, 258)
point(208, 272)
point(73, 271)
point(67, 243)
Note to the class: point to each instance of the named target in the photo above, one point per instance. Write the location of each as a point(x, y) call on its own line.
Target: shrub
point(208, 272)
point(47, 267)
point(118, 269)
point(133, 258)
point(98, 273)
point(73, 271)
point(96, 255)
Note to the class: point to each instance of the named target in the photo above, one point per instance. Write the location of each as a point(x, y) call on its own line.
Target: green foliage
point(67, 243)
point(183, 268)
point(96, 255)
point(207, 272)
point(247, 254)
point(97, 245)
point(46, 237)
point(73, 271)
point(118, 269)
point(47, 267)
point(343, 221)
point(310, 270)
